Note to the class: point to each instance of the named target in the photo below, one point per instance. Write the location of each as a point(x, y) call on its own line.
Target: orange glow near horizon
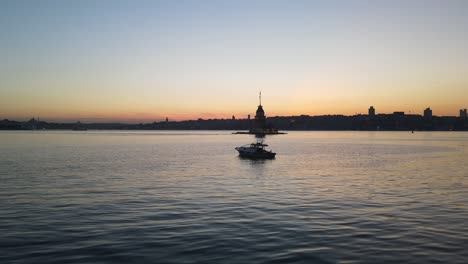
point(194, 104)
point(137, 115)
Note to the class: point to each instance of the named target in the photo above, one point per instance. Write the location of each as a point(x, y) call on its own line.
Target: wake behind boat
point(255, 151)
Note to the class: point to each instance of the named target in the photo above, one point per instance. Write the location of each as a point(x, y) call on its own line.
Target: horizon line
point(137, 121)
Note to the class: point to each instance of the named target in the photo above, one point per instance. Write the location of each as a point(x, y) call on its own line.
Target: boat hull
point(256, 155)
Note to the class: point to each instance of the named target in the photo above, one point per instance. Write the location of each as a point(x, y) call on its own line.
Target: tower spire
point(260, 97)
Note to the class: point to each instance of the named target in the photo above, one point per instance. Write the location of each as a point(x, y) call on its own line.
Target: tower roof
point(260, 109)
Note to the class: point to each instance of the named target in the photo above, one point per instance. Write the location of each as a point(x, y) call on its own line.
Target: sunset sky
point(138, 61)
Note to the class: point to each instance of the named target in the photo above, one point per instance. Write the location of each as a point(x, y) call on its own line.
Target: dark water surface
point(186, 197)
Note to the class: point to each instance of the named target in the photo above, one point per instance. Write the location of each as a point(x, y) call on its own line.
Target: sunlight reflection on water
point(146, 196)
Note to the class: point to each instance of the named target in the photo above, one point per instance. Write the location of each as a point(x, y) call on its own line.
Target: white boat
point(255, 151)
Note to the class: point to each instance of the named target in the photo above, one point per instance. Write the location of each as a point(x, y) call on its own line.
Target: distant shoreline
point(381, 122)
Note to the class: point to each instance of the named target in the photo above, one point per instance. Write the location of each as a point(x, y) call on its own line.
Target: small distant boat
point(255, 151)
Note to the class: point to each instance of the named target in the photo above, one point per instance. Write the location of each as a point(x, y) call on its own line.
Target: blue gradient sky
point(145, 60)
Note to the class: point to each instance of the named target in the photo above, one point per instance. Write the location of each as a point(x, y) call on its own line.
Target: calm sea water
point(186, 197)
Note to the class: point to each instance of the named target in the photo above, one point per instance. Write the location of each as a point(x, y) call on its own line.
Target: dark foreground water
point(186, 197)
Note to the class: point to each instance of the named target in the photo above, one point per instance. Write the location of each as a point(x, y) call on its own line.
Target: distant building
point(248, 116)
point(371, 112)
point(399, 113)
point(260, 120)
point(79, 126)
point(31, 124)
point(233, 117)
point(167, 119)
point(428, 113)
point(463, 113)
point(259, 126)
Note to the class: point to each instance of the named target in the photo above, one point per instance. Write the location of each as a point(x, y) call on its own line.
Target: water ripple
point(329, 197)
